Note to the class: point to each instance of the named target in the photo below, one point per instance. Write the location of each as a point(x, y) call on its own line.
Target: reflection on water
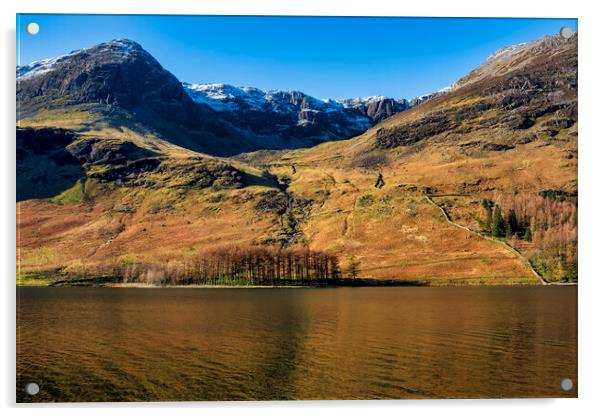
point(100, 344)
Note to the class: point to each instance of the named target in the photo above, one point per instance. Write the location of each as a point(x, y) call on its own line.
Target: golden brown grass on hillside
point(486, 137)
point(393, 231)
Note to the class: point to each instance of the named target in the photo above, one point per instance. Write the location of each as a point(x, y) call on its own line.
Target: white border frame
point(590, 146)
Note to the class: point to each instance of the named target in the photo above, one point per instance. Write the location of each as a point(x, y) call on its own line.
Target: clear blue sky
point(327, 57)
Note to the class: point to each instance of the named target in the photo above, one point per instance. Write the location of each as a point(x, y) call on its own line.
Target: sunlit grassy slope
point(393, 232)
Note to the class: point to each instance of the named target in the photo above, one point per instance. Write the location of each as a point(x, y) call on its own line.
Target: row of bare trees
point(232, 266)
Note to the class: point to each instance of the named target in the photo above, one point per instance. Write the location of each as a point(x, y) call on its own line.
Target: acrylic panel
point(295, 208)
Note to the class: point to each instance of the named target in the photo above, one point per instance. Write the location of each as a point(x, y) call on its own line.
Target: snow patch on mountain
point(225, 97)
point(361, 101)
point(299, 108)
point(114, 51)
point(42, 66)
point(508, 51)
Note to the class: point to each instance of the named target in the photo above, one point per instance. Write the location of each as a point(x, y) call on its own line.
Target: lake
point(108, 344)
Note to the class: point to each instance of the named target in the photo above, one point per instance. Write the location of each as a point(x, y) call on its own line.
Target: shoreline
point(46, 280)
point(316, 286)
point(150, 286)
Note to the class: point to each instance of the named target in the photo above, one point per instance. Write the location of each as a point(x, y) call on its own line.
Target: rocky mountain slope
point(506, 133)
point(522, 97)
point(294, 115)
point(118, 84)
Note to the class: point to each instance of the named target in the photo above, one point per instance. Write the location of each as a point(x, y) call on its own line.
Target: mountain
point(520, 94)
point(118, 84)
point(294, 117)
point(293, 114)
point(118, 74)
point(408, 199)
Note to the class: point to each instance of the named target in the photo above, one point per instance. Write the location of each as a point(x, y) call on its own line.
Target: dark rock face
point(407, 134)
point(300, 127)
point(44, 141)
point(102, 151)
point(376, 108)
point(383, 108)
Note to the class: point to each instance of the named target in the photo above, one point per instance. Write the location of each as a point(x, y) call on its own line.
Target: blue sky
point(327, 57)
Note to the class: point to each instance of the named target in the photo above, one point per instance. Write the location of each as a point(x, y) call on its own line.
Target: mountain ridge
point(226, 97)
point(121, 78)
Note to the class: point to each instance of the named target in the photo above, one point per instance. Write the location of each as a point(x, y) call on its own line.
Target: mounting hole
point(32, 389)
point(566, 384)
point(566, 32)
point(32, 28)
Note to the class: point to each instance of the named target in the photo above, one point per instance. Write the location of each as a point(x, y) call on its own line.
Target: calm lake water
point(102, 344)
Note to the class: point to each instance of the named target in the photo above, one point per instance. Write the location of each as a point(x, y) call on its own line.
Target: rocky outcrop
point(407, 134)
point(376, 108)
point(105, 151)
point(44, 166)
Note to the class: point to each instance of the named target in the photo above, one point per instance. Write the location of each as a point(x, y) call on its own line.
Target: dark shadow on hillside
point(44, 166)
point(268, 180)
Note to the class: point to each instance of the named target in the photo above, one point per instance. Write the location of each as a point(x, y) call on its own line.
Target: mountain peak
point(512, 57)
point(118, 73)
point(114, 51)
point(544, 44)
point(123, 42)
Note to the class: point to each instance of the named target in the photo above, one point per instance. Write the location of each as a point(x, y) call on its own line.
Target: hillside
point(123, 191)
point(506, 132)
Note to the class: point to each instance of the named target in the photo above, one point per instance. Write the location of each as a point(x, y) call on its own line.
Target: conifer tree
point(528, 234)
point(512, 223)
point(498, 226)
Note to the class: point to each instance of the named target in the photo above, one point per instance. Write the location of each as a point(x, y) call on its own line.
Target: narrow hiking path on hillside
point(507, 246)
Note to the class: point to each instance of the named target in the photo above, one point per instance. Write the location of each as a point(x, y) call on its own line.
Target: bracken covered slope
point(508, 128)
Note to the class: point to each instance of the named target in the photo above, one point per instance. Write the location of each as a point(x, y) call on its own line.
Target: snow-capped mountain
point(222, 97)
point(294, 108)
point(120, 83)
point(291, 115)
point(119, 77)
point(117, 51)
point(119, 72)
